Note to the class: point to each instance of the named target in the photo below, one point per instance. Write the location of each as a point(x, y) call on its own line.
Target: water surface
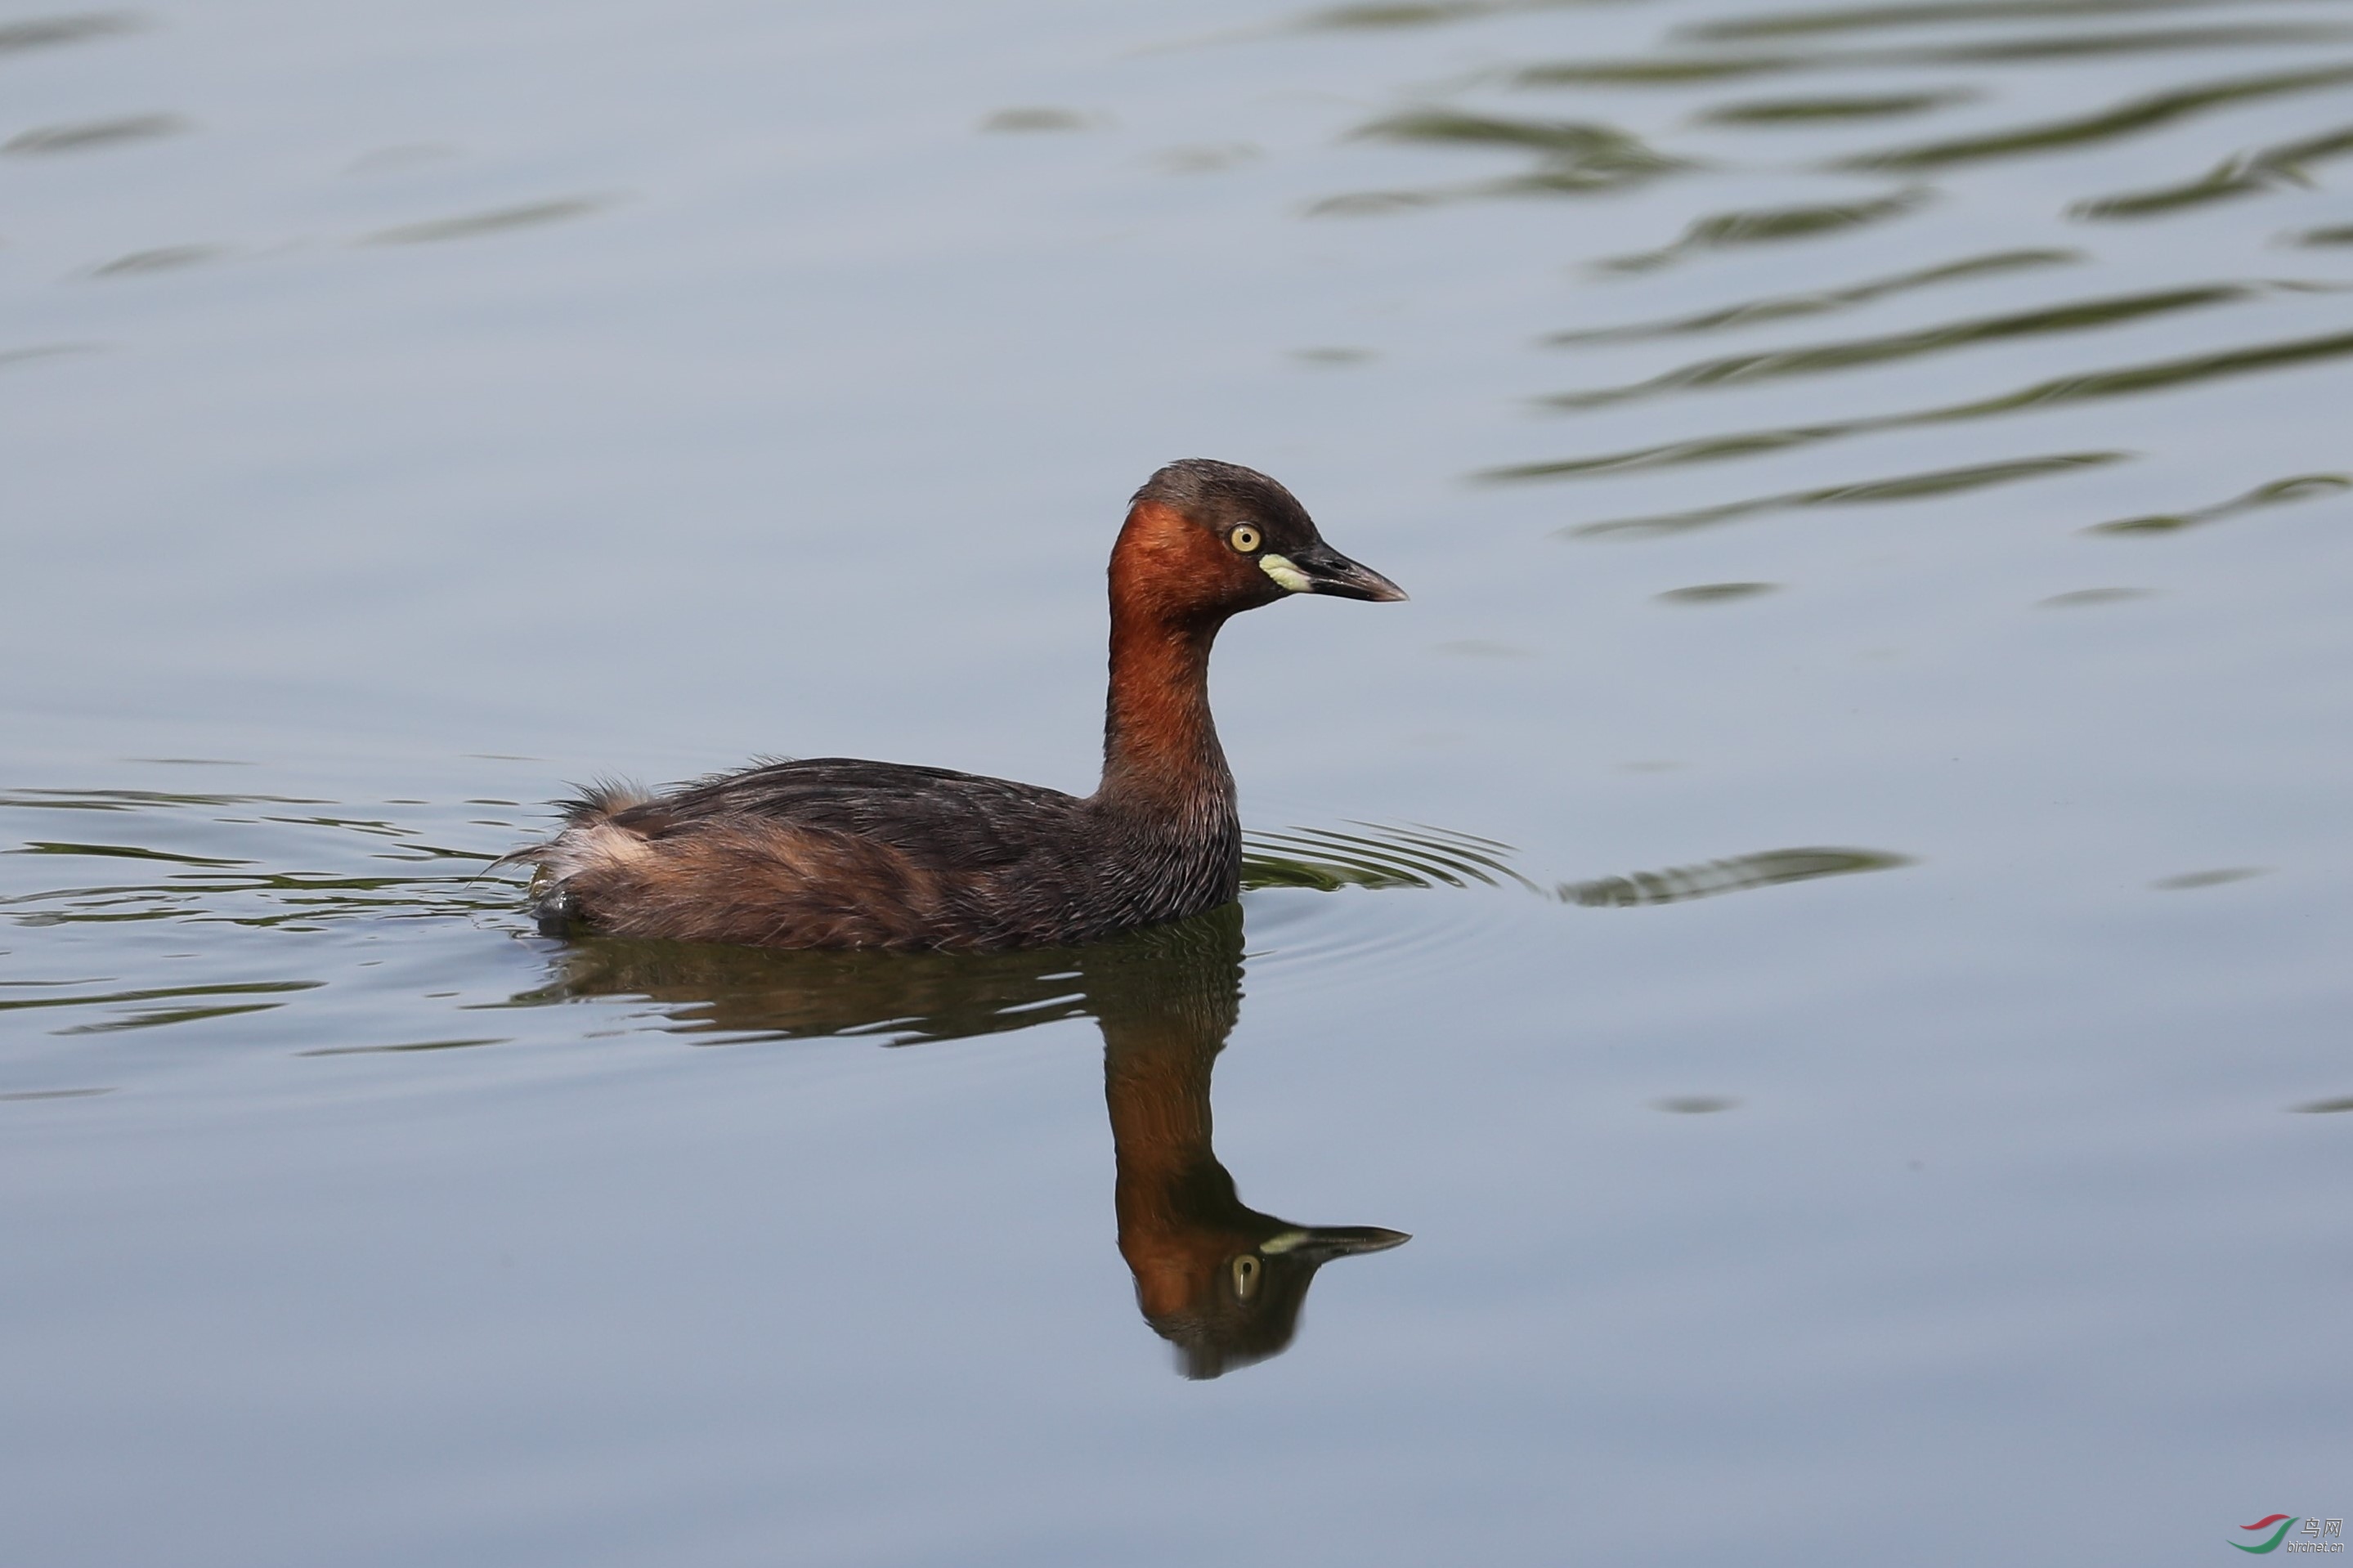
point(1824, 920)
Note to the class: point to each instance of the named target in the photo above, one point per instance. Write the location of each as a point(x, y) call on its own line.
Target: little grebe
point(834, 852)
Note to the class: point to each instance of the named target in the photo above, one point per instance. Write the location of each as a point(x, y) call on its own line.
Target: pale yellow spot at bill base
point(1285, 573)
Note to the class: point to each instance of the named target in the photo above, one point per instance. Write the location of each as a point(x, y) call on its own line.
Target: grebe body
point(834, 852)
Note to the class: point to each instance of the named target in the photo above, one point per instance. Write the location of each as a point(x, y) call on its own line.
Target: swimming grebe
point(835, 852)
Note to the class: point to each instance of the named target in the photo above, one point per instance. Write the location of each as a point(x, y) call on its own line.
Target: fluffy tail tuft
point(588, 837)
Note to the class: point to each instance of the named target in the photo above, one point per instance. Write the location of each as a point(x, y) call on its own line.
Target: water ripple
point(337, 886)
point(2279, 492)
point(1815, 110)
point(498, 220)
point(1572, 158)
point(2122, 381)
point(1925, 13)
point(1868, 492)
point(88, 135)
point(2047, 50)
point(2068, 47)
point(1327, 859)
point(1769, 226)
point(2144, 113)
point(2242, 174)
point(1816, 359)
point(48, 32)
point(1781, 306)
point(1770, 868)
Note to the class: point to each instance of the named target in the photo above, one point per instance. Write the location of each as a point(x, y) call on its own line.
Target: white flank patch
point(579, 849)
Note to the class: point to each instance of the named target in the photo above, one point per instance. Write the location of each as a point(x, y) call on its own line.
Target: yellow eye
point(1244, 539)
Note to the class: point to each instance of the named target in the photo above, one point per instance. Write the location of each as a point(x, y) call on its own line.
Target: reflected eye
point(1245, 1267)
point(1244, 537)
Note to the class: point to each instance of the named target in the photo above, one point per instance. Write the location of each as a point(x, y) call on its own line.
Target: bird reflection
point(1217, 1278)
point(1221, 1281)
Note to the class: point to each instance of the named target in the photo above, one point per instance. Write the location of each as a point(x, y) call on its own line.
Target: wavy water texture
point(1769, 226)
point(1379, 857)
point(49, 32)
point(1741, 873)
point(1383, 14)
point(734, 993)
point(2123, 381)
point(2048, 50)
point(1572, 158)
point(2147, 112)
point(1854, 353)
point(1783, 307)
point(290, 882)
point(496, 220)
point(1814, 22)
point(1813, 111)
point(2241, 175)
point(159, 259)
point(1929, 486)
point(2279, 492)
point(247, 889)
point(90, 135)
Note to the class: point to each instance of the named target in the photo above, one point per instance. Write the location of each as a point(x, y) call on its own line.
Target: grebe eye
point(1245, 1277)
point(1244, 539)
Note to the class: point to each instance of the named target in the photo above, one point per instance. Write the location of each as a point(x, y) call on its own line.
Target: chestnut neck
point(1160, 745)
point(1159, 741)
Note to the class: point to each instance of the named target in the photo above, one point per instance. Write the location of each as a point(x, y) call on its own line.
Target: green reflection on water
point(1717, 593)
point(135, 799)
point(2046, 49)
point(1903, 487)
point(36, 352)
point(162, 993)
point(2190, 881)
point(498, 220)
point(1379, 15)
point(2063, 48)
point(48, 32)
point(1821, 301)
point(1036, 119)
point(1830, 106)
point(2082, 598)
point(404, 1047)
point(162, 258)
point(2244, 174)
point(1931, 13)
point(92, 134)
point(1816, 359)
point(1327, 860)
point(2126, 119)
point(2279, 492)
point(2123, 381)
point(1772, 867)
point(1769, 226)
point(1575, 158)
point(119, 851)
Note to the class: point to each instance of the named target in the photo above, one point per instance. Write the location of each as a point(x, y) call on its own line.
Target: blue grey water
point(1826, 917)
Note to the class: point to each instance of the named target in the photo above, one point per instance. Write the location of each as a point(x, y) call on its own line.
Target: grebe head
point(1205, 536)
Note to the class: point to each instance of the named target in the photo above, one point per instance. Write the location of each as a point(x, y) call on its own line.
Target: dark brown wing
point(936, 815)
